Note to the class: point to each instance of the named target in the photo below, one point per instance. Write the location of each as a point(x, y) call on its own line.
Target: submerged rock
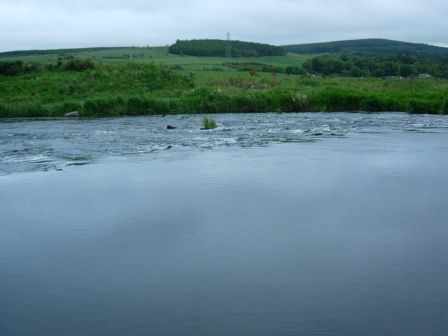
point(171, 127)
point(72, 114)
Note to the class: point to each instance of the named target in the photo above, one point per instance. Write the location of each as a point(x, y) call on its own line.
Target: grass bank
point(139, 89)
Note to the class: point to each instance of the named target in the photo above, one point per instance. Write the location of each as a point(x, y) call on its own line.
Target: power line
point(229, 52)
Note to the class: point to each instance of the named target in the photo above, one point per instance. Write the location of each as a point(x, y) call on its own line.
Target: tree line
point(217, 48)
point(352, 65)
point(370, 47)
point(349, 65)
point(16, 68)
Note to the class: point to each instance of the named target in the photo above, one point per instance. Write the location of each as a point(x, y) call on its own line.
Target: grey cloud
point(29, 24)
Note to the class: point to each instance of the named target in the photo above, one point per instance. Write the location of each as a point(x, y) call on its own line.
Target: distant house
point(424, 76)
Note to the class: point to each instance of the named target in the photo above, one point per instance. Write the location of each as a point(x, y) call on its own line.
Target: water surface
point(49, 144)
point(302, 224)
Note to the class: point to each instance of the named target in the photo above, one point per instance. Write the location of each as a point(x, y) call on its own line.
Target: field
point(130, 81)
point(158, 55)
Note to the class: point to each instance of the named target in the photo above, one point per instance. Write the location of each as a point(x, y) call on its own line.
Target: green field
point(158, 55)
point(151, 81)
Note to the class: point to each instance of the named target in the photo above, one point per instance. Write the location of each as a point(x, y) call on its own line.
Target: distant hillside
point(21, 53)
point(217, 48)
point(370, 46)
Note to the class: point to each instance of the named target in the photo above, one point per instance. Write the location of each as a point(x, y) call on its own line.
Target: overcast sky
point(43, 24)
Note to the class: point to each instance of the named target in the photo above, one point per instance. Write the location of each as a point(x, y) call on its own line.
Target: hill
point(370, 46)
point(217, 48)
point(99, 54)
point(159, 55)
point(22, 53)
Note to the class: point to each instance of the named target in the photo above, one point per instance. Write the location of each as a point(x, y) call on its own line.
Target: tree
point(407, 70)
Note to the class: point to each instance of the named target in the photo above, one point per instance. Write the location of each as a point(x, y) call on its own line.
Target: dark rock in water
point(169, 147)
point(171, 127)
point(72, 114)
point(163, 115)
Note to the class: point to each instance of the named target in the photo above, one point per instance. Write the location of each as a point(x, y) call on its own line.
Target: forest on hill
point(370, 46)
point(353, 65)
point(217, 48)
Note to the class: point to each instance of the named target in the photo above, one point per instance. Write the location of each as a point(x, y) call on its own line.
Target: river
point(272, 224)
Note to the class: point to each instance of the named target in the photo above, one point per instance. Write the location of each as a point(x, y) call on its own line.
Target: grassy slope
point(109, 86)
point(57, 92)
point(158, 55)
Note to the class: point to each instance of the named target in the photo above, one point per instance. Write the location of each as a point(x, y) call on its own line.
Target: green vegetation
point(14, 68)
point(350, 65)
point(218, 48)
point(138, 81)
point(138, 89)
point(208, 123)
point(253, 67)
point(370, 46)
point(97, 55)
point(159, 55)
point(53, 52)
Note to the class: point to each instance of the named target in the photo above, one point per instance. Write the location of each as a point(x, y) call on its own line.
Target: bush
point(423, 106)
point(25, 110)
point(139, 106)
point(373, 104)
point(205, 100)
point(295, 70)
point(444, 107)
point(79, 65)
point(4, 113)
point(70, 106)
point(335, 99)
point(31, 67)
point(104, 107)
point(11, 68)
point(209, 123)
point(243, 104)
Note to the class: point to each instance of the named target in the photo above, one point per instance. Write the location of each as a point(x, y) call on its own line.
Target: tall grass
point(209, 123)
point(140, 89)
point(327, 100)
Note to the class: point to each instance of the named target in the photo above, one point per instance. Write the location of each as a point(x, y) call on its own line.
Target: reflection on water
point(54, 143)
point(344, 236)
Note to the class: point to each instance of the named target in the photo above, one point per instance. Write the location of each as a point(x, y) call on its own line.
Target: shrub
point(79, 65)
point(205, 100)
point(11, 68)
point(104, 107)
point(373, 104)
point(243, 104)
point(444, 107)
point(209, 123)
point(149, 105)
point(31, 67)
point(27, 110)
point(70, 106)
point(335, 99)
point(419, 105)
point(4, 113)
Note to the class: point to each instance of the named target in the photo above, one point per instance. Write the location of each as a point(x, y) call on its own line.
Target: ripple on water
point(27, 145)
